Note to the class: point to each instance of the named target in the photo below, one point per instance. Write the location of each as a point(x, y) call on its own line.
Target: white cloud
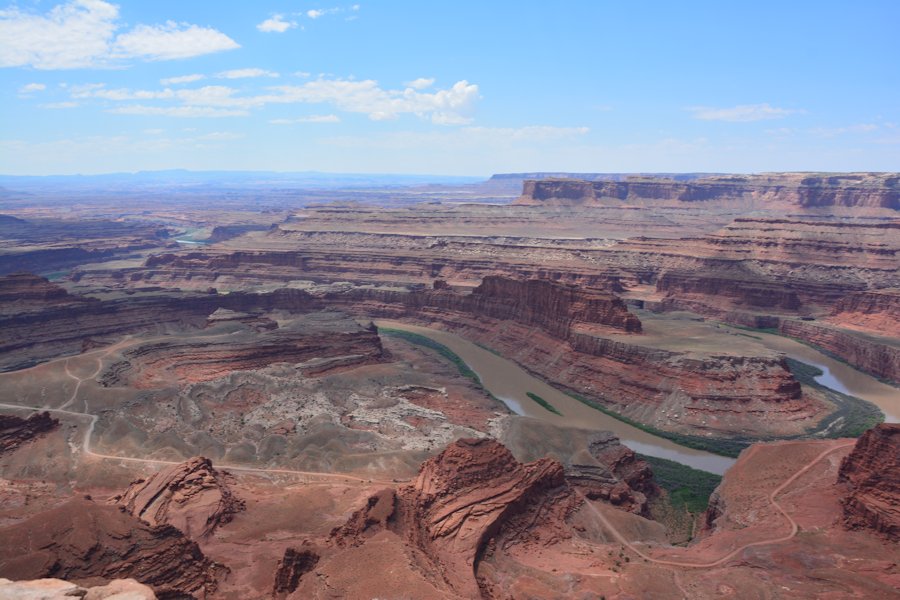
point(309, 119)
point(245, 73)
point(218, 136)
point(452, 106)
point(99, 90)
point(172, 41)
point(742, 113)
point(82, 34)
point(276, 24)
point(56, 105)
point(315, 13)
point(448, 106)
point(182, 79)
point(177, 111)
point(421, 83)
point(31, 88)
point(835, 131)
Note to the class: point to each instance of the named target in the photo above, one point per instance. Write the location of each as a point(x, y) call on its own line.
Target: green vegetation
point(689, 489)
point(427, 342)
point(543, 403)
point(723, 447)
point(852, 416)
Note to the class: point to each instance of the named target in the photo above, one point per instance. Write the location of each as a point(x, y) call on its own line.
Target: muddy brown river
point(510, 383)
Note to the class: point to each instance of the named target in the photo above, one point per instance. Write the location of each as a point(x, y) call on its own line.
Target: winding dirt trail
point(794, 527)
point(86, 442)
point(86, 448)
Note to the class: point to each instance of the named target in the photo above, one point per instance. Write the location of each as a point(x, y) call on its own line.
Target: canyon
point(480, 390)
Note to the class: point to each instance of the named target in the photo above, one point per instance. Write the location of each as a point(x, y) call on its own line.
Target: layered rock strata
point(872, 310)
point(871, 474)
point(308, 340)
point(191, 496)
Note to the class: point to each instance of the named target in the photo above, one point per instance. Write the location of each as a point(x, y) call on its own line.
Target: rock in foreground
point(80, 541)
point(872, 475)
point(472, 497)
point(192, 496)
point(56, 589)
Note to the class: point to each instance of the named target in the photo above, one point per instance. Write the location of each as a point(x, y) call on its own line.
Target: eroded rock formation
point(472, 497)
point(621, 478)
point(16, 431)
point(871, 474)
point(81, 540)
point(191, 496)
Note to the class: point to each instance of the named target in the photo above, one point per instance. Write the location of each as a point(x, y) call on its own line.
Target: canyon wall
point(874, 190)
point(878, 357)
point(689, 392)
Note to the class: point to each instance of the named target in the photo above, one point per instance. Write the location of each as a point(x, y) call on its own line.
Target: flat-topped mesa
point(471, 495)
point(191, 496)
point(871, 472)
point(556, 307)
point(872, 190)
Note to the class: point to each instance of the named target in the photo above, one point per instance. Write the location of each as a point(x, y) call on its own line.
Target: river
point(509, 382)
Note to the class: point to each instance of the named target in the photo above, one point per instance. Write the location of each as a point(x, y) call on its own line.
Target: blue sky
point(463, 87)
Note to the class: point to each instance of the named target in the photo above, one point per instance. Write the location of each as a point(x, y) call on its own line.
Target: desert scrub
point(689, 489)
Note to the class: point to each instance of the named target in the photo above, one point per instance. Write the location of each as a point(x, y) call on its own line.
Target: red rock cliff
point(871, 474)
